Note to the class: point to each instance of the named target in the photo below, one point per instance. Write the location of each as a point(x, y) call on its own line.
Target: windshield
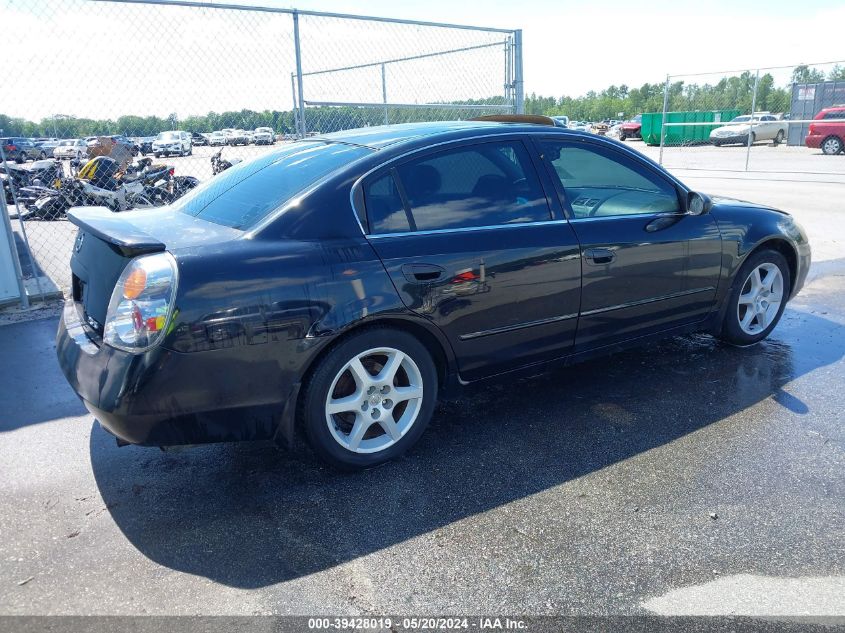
point(244, 194)
point(166, 136)
point(743, 119)
point(263, 129)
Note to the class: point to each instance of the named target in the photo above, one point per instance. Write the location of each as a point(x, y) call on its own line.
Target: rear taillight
point(10, 148)
point(171, 171)
point(141, 305)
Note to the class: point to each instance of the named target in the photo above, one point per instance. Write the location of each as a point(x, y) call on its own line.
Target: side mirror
point(698, 203)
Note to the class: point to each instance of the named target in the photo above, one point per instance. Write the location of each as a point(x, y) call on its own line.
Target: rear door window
point(488, 184)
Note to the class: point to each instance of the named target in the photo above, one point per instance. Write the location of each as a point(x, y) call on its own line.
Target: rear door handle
point(599, 255)
point(422, 273)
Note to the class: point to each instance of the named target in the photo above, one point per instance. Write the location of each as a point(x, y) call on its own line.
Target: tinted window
point(482, 185)
point(244, 194)
point(599, 182)
point(384, 206)
point(835, 115)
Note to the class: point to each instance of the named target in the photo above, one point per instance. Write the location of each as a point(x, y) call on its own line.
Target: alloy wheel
point(832, 146)
point(760, 298)
point(374, 400)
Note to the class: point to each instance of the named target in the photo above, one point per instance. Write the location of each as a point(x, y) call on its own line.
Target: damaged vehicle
point(336, 287)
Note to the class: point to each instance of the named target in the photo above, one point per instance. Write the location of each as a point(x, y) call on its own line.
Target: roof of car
point(386, 135)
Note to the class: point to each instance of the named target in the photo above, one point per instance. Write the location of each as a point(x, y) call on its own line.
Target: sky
point(101, 59)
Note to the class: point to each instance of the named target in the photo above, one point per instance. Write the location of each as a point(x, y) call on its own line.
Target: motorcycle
point(42, 173)
point(97, 183)
point(100, 183)
point(219, 164)
point(53, 203)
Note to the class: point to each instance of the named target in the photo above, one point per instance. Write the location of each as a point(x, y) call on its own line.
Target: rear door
point(470, 241)
point(647, 265)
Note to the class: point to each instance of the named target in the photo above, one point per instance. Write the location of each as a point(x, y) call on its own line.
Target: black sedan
point(337, 286)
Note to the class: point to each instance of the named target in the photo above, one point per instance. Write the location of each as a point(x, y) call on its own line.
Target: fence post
point(751, 122)
point(517, 72)
point(294, 109)
point(298, 52)
point(22, 285)
point(663, 119)
point(384, 94)
point(13, 249)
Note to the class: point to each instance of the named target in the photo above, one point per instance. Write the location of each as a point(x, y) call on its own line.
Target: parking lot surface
point(688, 477)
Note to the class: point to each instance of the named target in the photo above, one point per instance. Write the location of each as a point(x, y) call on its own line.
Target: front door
point(467, 236)
point(647, 265)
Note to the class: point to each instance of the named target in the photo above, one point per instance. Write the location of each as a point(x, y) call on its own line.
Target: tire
point(832, 145)
point(779, 138)
point(753, 138)
point(21, 159)
point(717, 143)
point(42, 156)
point(744, 298)
point(157, 155)
point(331, 434)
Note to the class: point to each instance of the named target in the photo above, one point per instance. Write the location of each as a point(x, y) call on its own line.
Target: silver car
point(71, 148)
point(761, 126)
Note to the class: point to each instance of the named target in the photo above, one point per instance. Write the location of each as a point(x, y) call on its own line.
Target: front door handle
point(422, 273)
point(599, 255)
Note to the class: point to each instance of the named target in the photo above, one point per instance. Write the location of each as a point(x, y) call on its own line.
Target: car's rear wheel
point(369, 399)
point(757, 299)
point(832, 145)
point(779, 137)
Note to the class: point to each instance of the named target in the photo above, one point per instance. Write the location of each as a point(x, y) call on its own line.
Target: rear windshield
point(244, 194)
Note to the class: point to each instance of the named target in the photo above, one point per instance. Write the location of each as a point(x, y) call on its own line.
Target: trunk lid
point(107, 241)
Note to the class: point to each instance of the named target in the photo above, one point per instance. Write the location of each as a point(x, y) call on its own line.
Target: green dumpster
point(684, 134)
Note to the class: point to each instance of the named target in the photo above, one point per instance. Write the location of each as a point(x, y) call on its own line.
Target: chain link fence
point(114, 77)
point(779, 120)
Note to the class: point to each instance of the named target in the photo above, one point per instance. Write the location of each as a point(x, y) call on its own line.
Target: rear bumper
point(166, 398)
point(815, 140)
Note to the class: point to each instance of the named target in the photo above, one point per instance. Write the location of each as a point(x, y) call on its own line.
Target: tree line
point(735, 92)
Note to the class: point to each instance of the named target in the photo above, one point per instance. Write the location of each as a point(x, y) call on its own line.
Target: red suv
point(826, 134)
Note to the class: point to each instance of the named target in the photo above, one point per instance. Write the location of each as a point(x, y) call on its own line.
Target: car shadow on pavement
point(248, 515)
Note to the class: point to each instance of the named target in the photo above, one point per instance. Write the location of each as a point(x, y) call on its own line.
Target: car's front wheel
point(369, 399)
point(757, 299)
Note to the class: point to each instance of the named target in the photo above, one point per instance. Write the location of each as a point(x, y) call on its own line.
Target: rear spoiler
point(115, 229)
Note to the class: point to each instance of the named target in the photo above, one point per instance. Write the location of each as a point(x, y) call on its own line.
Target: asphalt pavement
point(686, 477)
